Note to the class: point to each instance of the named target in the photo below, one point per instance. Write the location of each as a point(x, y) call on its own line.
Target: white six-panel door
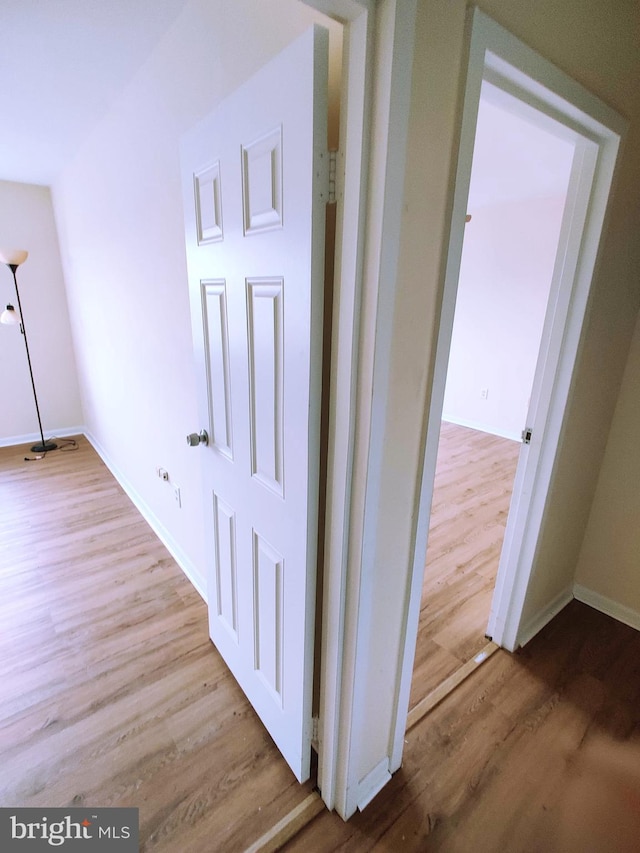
point(254, 183)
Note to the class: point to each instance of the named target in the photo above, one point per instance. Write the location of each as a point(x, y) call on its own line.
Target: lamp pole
point(45, 445)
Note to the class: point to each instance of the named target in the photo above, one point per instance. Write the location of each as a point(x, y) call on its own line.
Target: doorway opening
point(517, 196)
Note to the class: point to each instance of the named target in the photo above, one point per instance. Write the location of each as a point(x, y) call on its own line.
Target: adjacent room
point(519, 181)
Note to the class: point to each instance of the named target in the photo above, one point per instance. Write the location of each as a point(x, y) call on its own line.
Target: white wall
point(599, 52)
point(119, 212)
point(507, 264)
point(26, 222)
point(607, 575)
point(518, 188)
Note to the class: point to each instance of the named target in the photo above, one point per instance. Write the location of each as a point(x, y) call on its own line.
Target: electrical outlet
point(484, 393)
point(176, 495)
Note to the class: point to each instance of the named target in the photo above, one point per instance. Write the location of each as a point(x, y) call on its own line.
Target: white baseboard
point(32, 437)
point(480, 427)
point(544, 616)
point(608, 606)
point(152, 520)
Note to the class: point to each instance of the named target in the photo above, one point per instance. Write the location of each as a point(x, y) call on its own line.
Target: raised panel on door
point(266, 380)
point(225, 567)
point(208, 201)
point(254, 179)
point(262, 182)
point(268, 610)
point(216, 329)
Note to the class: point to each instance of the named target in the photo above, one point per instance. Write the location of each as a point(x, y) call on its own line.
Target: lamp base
point(43, 448)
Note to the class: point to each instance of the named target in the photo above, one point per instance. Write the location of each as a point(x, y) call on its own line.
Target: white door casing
point(255, 181)
point(596, 131)
point(497, 55)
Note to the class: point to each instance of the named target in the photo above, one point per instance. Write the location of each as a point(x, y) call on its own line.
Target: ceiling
point(516, 157)
point(62, 64)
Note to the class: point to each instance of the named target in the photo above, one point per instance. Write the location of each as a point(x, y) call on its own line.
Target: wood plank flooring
point(111, 692)
point(472, 491)
point(496, 767)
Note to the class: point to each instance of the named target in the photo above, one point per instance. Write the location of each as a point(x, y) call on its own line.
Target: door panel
point(216, 327)
point(226, 567)
point(264, 324)
point(254, 183)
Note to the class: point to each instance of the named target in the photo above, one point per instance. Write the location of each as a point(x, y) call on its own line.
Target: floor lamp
point(13, 258)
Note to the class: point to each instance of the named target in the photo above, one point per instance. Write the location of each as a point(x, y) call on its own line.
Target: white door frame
point(374, 121)
point(351, 192)
point(377, 63)
point(498, 55)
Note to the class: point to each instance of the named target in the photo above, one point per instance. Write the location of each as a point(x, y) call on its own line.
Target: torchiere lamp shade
point(9, 316)
point(13, 257)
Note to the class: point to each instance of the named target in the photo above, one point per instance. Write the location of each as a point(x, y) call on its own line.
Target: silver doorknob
point(196, 438)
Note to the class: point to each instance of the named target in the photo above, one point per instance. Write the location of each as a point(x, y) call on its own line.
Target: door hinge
point(315, 732)
point(527, 432)
point(333, 177)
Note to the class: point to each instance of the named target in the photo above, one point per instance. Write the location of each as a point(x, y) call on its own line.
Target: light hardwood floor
point(493, 768)
point(472, 491)
point(111, 692)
